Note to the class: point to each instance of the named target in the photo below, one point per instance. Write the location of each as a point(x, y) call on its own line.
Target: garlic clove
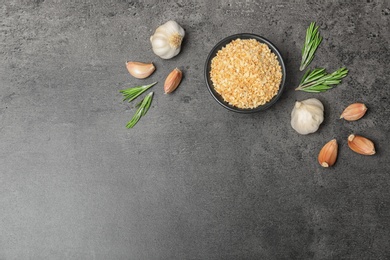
point(354, 112)
point(328, 154)
point(361, 145)
point(173, 80)
point(140, 70)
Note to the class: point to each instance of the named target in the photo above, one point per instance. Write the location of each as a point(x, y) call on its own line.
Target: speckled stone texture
point(191, 180)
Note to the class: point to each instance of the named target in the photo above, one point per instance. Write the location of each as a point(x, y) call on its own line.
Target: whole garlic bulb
point(307, 116)
point(166, 41)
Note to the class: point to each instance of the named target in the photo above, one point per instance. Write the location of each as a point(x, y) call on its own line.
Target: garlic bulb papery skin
point(307, 115)
point(166, 40)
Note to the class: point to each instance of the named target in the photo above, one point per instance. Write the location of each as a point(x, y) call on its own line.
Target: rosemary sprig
point(132, 93)
point(318, 80)
point(142, 108)
point(312, 41)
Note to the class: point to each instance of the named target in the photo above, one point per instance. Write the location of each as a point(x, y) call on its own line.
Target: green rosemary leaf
point(332, 82)
point(312, 91)
point(305, 76)
point(141, 111)
point(315, 74)
point(132, 93)
point(312, 41)
point(318, 88)
point(318, 80)
point(147, 106)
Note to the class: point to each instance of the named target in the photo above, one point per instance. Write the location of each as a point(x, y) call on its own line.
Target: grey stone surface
point(191, 180)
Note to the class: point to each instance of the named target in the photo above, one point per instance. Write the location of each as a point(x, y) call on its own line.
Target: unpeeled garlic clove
point(354, 112)
point(361, 145)
point(328, 154)
point(173, 80)
point(140, 70)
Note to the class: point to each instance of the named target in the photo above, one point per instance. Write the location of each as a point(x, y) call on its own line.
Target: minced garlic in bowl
point(246, 73)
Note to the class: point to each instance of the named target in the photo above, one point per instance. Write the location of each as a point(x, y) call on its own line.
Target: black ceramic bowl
point(222, 44)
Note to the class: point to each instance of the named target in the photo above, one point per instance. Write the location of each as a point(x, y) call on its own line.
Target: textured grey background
point(191, 180)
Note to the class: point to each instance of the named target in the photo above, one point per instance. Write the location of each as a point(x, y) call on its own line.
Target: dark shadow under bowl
point(222, 44)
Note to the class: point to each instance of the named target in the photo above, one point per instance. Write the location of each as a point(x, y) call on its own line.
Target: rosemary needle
point(143, 107)
point(132, 93)
point(318, 80)
point(312, 41)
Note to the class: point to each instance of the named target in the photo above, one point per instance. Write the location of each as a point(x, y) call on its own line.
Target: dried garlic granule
point(246, 73)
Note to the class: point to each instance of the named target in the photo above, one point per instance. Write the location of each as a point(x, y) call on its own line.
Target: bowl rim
point(222, 43)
